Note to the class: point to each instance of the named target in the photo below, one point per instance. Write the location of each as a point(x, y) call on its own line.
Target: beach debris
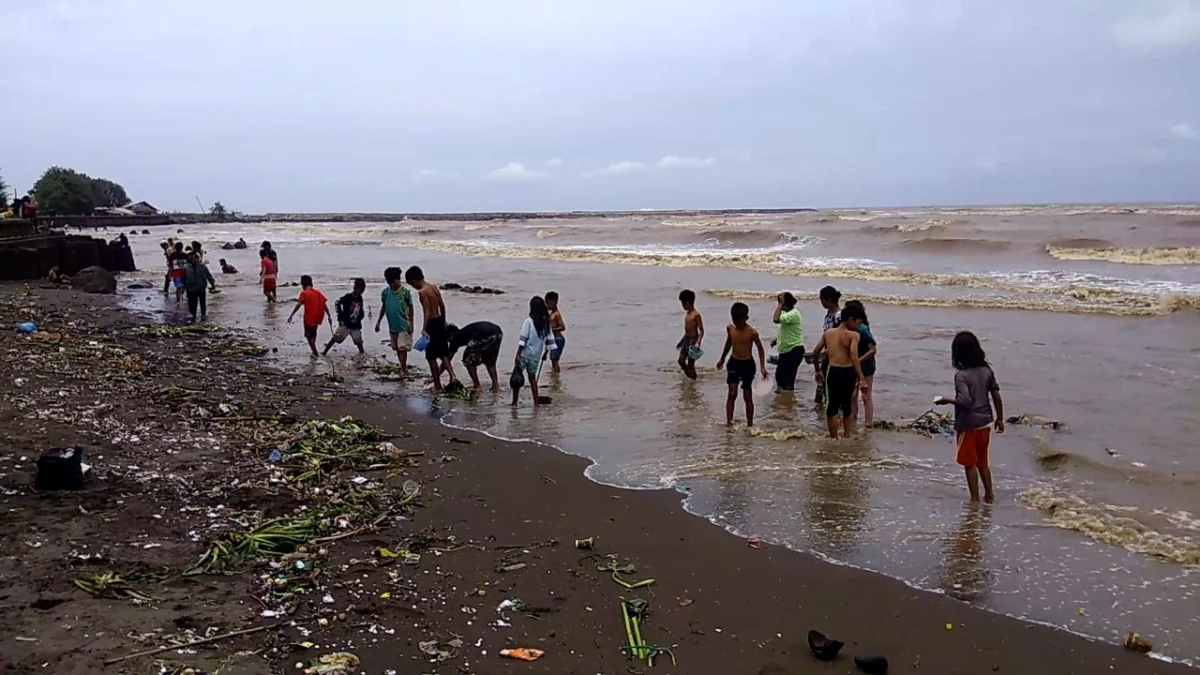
point(512, 568)
point(617, 569)
point(468, 288)
point(588, 544)
point(686, 602)
point(544, 400)
point(514, 604)
point(434, 649)
point(822, 647)
point(61, 469)
point(196, 643)
point(1025, 419)
point(26, 328)
point(634, 611)
point(517, 379)
point(94, 279)
point(872, 664)
point(337, 663)
point(457, 391)
point(753, 543)
point(110, 585)
point(929, 423)
point(1137, 643)
point(522, 654)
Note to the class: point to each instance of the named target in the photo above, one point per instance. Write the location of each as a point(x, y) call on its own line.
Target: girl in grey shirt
point(974, 383)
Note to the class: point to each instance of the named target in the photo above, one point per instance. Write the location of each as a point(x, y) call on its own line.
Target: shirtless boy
point(740, 338)
point(693, 332)
point(437, 352)
point(842, 370)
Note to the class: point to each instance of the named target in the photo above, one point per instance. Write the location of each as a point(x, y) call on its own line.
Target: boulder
point(227, 246)
point(94, 280)
point(179, 231)
point(145, 231)
point(241, 244)
point(133, 232)
point(139, 285)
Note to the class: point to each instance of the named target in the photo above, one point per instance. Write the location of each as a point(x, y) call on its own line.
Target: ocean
point(1089, 315)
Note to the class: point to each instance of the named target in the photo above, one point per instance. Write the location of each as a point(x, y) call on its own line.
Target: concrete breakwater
point(27, 254)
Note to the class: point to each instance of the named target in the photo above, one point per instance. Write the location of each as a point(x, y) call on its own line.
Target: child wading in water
point(867, 349)
point(398, 308)
point(435, 330)
point(740, 338)
point(693, 333)
point(830, 297)
point(974, 381)
point(531, 346)
point(316, 310)
point(842, 369)
point(558, 327)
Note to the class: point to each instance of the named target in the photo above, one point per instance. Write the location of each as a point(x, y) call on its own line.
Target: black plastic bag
point(60, 469)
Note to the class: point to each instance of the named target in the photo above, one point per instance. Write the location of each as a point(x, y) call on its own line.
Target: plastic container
point(421, 343)
point(26, 328)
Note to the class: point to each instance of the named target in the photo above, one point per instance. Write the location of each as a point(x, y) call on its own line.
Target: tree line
point(67, 192)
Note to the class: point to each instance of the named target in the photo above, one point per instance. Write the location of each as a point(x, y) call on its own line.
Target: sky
point(480, 105)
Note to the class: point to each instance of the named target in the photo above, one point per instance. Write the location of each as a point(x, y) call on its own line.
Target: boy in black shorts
point(741, 338)
point(481, 340)
point(843, 370)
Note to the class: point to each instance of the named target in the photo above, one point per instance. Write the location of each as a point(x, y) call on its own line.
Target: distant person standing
point(350, 309)
point(270, 253)
point(558, 326)
point(267, 274)
point(397, 306)
point(316, 310)
point(974, 382)
point(434, 328)
point(790, 341)
point(196, 279)
point(178, 261)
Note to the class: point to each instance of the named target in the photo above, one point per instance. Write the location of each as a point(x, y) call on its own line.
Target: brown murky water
point(1089, 316)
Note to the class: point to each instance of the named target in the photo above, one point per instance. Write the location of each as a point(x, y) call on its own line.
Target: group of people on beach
point(843, 359)
point(843, 363)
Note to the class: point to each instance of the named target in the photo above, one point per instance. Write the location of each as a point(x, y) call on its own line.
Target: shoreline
point(729, 607)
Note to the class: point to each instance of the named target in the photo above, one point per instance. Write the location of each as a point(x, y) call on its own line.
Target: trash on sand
point(1137, 643)
point(617, 570)
point(929, 423)
point(522, 654)
point(822, 647)
point(872, 665)
point(510, 603)
point(275, 455)
point(60, 469)
point(110, 585)
point(949, 626)
point(434, 649)
point(1036, 421)
point(685, 602)
point(26, 328)
point(337, 663)
point(753, 543)
point(588, 544)
point(512, 568)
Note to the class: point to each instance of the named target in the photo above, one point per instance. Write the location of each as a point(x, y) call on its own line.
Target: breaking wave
point(1116, 525)
point(1071, 300)
point(950, 245)
point(1183, 255)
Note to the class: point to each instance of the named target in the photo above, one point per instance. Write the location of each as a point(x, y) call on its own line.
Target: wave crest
point(1182, 255)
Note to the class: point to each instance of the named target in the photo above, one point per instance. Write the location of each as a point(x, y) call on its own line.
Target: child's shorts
point(179, 283)
point(556, 350)
point(973, 447)
point(401, 341)
point(529, 365)
point(310, 332)
point(340, 335)
point(740, 371)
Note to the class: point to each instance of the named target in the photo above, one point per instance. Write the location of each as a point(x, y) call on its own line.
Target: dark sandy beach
point(724, 606)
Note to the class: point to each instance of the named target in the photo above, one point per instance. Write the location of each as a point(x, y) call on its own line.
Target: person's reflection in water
point(964, 575)
point(838, 492)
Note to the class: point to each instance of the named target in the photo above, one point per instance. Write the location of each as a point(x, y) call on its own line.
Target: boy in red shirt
point(316, 309)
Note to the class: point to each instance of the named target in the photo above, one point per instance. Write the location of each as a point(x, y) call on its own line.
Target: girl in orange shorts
point(974, 383)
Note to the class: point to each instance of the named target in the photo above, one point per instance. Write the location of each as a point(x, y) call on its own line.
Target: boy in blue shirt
point(398, 308)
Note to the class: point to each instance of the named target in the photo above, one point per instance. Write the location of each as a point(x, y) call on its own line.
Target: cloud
point(667, 163)
point(1178, 25)
point(433, 176)
point(673, 162)
point(514, 172)
point(1185, 131)
point(553, 163)
point(618, 169)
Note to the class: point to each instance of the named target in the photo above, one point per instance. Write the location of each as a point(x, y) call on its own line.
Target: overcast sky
point(453, 105)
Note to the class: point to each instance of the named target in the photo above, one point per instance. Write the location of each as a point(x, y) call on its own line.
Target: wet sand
point(726, 607)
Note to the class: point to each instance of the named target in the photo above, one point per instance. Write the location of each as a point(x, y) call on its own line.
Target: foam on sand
point(1183, 255)
point(1112, 525)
